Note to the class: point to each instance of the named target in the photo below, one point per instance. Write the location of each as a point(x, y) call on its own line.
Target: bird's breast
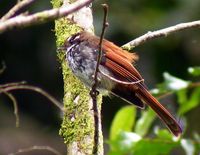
point(82, 60)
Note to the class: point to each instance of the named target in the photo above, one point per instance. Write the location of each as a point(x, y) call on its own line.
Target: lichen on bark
point(77, 127)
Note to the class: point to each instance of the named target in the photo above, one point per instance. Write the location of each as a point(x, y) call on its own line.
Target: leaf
point(144, 123)
point(123, 143)
point(195, 71)
point(163, 134)
point(188, 146)
point(123, 121)
point(197, 137)
point(173, 83)
point(191, 103)
point(133, 144)
point(182, 96)
point(197, 142)
point(157, 91)
point(154, 147)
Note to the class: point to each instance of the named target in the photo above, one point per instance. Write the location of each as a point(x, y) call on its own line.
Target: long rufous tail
point(163, 113)
point(140, 96)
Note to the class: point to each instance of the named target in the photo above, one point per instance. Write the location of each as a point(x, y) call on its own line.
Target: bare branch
point(5, 88)
point(14, 101)
point(105, 24)
point(170, 92)
point(42, 17)
point(93, 92)
point(160, 33)
point(36, 89)
point(40, 148)
point(17, 7)
point(11, 84)
point(2, 69)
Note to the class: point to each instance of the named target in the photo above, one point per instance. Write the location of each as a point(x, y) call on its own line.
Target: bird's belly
point(84, 69)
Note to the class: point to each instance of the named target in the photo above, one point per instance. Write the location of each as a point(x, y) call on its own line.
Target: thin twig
point(17, 7)
point(164, 95)
point(105, 24)
point(20, 85)
point(12, 84)
point(170, 92)
point(160, 33)
point(194, 84)
point(36, 89)
point(93, 91)
point(39, 148)
point(14, 101)
point(43, 16)
point(2, 69)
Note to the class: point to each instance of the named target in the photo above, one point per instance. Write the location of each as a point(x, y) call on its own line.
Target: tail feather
point(140, 95)
point(128, 95)
point(164, 115)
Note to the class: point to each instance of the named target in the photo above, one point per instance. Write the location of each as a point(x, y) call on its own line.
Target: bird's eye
point(74, 38)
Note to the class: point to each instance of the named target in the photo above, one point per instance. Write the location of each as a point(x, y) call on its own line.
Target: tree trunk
point(78, 126)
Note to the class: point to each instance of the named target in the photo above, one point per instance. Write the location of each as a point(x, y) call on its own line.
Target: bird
point(116, 74)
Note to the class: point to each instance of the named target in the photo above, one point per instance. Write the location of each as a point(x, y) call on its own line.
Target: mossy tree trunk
point(77, 128)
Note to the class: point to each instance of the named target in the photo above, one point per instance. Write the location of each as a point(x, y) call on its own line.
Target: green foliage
point(188, 146)
point(132, 143)
point(195, 71)
point(150, 147)
point(186, 102)
point(124, 143)
point(170, 84)
point(123, 121)
point(163, 134)
point(173, 83)
point(137, 140)
point(144, 123)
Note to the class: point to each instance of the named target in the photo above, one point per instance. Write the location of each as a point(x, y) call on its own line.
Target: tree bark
point(78, 126)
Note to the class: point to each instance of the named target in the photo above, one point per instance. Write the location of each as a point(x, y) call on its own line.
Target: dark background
point(30, 55)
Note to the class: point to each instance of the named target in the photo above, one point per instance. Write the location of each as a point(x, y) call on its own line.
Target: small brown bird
point(116, 75)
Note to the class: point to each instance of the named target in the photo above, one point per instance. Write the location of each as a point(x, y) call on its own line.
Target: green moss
point(64, 28)
point(128, 47)
point(77, 121)
point(56, 3)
